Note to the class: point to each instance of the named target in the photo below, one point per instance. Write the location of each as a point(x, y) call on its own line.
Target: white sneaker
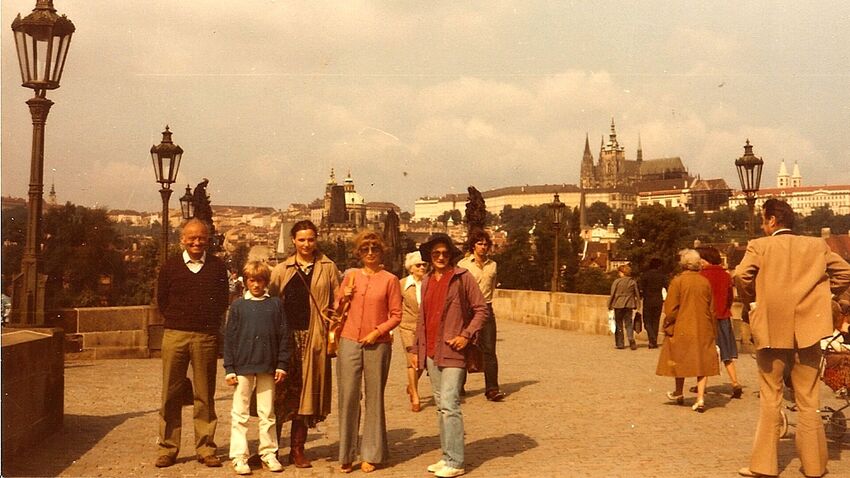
point(270, 462)
point(436, 466)
point(449, 472)
point(240, 466)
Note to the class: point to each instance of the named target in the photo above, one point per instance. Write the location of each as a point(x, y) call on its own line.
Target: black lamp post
point(187, 204)
point(42, 39)
point(557, 212)
point(749, 172)
point(166, 161)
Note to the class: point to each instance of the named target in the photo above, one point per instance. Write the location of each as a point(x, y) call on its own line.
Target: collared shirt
point(485, 275)
point(249, 296)
point(194, 265)
point(410, 282)
point(784, 230)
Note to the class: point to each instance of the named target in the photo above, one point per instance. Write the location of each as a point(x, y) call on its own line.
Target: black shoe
point(494, 395)
point(633, 345)
point(652, 346)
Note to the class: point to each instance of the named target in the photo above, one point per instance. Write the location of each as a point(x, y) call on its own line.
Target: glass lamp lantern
point(42, 39)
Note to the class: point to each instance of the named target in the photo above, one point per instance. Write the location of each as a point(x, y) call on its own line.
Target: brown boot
point(298, 436)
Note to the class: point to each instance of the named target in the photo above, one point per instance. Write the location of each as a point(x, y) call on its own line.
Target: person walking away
point(483, 269)
point(689, 329)
point(365, 350)
point(192, 298)
point(792, 278)
point(452, 314)
point(651, 284)
point(721, 290)
point(305, 283)
point(256, 356)
point(624, 300)
point(411, 297)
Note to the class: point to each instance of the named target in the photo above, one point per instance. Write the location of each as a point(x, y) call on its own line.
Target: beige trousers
point(810, 438)
point(240, 414)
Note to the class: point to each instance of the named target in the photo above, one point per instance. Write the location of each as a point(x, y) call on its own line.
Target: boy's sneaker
point(449, 472)
point(270, 462)
point(436, 466)
point(240, 466)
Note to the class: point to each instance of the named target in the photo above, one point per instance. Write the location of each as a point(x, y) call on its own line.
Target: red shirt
point(432, 308)
point(721, 289)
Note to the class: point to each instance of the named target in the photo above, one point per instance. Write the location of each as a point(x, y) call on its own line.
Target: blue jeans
point(446, 383)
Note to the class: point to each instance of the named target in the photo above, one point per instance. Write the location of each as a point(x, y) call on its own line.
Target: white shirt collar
point(249, 296)
point(410, 282)
point(780, 230)
point(187, 259)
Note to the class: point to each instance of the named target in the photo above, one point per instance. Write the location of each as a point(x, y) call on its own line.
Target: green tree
point(14, 239)
point(237, 260)
point(455, 215)
point(527, 261)
point(593, 280)
point(655, 231)
point(81, 248)
point(601, 213)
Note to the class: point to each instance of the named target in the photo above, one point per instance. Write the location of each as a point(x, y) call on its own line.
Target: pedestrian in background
point(411, 297)
point(452, 313)
point(721, 289)
point(792, 278)
point(624, 300)
point(651, 284)
point(256, 357)
point(689, 328)
point(483, 269)
point(305, 283)
point(192, 298)
point(365, 350)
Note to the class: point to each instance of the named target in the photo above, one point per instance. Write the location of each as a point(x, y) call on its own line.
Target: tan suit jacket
point(791, 279)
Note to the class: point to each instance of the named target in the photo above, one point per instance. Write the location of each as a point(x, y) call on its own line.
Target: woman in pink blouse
point(364, 353)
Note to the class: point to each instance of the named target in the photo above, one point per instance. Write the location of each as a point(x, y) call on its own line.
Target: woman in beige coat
point(689, 330)
point(305, 283)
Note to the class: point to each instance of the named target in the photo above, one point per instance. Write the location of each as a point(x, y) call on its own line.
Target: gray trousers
point(358, 364)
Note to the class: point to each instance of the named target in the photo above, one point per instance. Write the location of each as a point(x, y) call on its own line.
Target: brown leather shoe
point(164, 461)
point(211, 461)
point(494, 395)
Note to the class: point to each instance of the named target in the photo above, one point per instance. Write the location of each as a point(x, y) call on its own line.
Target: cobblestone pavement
point(575, 407)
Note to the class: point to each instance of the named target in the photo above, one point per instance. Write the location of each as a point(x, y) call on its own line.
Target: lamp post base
point(28, 298)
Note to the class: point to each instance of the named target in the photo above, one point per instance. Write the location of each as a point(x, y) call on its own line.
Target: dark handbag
point(474, 358)
point(638, 323)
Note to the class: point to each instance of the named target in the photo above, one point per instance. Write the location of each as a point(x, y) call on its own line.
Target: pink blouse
point(376, 304)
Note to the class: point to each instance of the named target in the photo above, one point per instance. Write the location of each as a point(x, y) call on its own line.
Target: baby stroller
point(835, 373)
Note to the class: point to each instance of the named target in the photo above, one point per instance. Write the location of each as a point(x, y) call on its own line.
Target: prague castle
point(614, 171)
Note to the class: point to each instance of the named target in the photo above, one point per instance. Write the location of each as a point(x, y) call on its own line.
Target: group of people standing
point(276, 342)
point(786, 283)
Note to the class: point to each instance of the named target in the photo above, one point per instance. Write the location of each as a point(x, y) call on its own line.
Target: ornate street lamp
point(187, 204)
point(557, 212)
point(166, 161)
point(749, 172)
point(42, 39)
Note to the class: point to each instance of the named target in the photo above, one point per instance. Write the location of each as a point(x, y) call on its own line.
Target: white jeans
point(264, 382)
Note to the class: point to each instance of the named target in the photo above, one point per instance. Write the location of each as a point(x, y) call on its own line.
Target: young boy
point(256, 354)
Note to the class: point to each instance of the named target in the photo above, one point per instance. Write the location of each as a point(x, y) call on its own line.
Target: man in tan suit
point(792, 279)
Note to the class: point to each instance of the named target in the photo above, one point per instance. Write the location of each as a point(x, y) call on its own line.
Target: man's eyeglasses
point(370, 249)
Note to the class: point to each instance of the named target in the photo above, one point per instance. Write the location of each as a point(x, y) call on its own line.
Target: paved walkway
point(575, 407)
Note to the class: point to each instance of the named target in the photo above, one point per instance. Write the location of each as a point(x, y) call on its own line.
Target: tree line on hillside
point(90, 260)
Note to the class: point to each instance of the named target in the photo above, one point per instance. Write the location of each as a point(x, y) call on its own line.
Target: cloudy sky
point(426, 98)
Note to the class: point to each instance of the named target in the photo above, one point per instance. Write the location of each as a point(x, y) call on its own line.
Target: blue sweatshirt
point(256, 338)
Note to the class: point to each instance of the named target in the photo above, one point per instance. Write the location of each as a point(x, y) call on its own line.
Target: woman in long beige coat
point(689, 330)
point(305, 283)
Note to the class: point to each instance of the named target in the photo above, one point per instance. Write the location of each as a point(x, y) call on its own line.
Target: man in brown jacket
point(791, 278)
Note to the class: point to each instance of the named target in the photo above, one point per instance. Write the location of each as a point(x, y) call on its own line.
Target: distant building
point(802, 199)
point(706, 195)
point(614, 171)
